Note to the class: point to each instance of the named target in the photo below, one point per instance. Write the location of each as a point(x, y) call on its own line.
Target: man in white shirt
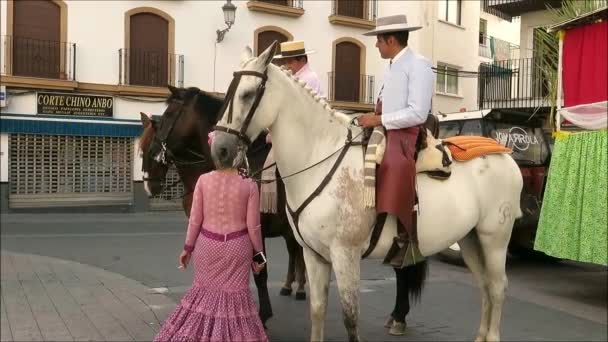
point(404, 103)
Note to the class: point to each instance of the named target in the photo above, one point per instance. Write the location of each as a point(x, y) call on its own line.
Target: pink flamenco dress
point(224, 233)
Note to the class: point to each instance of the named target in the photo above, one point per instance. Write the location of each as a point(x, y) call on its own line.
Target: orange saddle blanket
point(467, 147)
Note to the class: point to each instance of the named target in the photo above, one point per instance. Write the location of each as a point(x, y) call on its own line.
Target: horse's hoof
point(300, 295)
point(285, 291)
point(389, 322)
point(397, 329)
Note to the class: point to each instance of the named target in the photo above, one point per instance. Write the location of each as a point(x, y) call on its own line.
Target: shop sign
point(74, 104)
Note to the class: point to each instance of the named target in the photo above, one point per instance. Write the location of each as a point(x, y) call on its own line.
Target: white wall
point(137, 161)
point(457, 46)
point(99, 40)
point(529, 21)
point(3, 157)
point(195, 26)
point(503, 29)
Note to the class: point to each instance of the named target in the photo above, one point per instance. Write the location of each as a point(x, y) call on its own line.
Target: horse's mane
point(333, 113)
point(146, 136)
point(207, 104)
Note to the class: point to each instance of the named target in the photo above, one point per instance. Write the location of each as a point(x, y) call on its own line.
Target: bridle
point(229, 104)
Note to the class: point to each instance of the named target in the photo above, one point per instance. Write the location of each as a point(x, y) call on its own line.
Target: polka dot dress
point(219, 306)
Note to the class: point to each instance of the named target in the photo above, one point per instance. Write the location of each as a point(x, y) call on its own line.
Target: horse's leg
point(292, 246)
point(300, 267)
point(261, 282)
point(319, 275)
point(494, 247)
point(473, 257)
point(347, 267)
point(396, 320)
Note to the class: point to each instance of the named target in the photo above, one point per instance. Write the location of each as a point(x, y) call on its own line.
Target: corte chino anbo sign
point(74, 104)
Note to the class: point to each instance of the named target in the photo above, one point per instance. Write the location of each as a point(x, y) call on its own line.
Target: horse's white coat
point(483, 194)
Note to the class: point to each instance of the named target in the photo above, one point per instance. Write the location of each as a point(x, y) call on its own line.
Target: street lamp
point(229, 13)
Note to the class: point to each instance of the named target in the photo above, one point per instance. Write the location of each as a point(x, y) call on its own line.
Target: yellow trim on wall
point(265, 7)
point(265, 29)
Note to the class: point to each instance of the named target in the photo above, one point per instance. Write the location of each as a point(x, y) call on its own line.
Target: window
point(483, 31)
point(36, 39)
point(447, 79)
point(449, 10)
point(264, 36)
point(148, 53)
point(347, 72)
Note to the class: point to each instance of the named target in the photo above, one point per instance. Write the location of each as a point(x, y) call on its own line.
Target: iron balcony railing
point(516, 8)
point(517, 83)
point(30, 57)
point(491, 10)
point(150, 68)
point(351, 88)
point(496, 49)
point(362, 9)
point(289, 3)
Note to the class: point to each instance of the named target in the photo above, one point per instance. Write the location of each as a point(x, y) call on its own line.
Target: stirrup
point(403, 254)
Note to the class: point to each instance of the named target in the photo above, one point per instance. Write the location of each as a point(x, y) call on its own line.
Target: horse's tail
point(416, 276)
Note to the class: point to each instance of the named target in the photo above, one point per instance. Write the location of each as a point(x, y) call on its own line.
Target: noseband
point(229, 104)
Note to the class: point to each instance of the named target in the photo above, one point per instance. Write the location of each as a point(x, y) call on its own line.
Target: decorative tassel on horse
point(373, 156)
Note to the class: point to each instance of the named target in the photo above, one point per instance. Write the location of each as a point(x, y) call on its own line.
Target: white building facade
point(115, 58)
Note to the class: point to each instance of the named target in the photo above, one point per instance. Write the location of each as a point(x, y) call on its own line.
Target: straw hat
point(393, 23)
point(293, 49)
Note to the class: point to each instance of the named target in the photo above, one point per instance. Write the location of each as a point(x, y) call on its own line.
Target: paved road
point(555, 301)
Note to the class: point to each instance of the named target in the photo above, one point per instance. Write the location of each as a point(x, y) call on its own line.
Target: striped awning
point(69, 125)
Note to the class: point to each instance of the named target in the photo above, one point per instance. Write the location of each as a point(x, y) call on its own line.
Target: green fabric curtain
point(573, 220)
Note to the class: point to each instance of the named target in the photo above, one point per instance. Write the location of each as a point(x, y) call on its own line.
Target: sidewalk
point(48, 299)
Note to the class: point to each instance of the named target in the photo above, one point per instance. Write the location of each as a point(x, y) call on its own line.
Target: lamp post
point(229, 10)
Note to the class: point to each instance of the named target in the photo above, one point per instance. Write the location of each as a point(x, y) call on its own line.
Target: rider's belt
point(223, 237)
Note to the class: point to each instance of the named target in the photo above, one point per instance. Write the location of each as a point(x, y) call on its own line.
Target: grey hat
point(393, 23)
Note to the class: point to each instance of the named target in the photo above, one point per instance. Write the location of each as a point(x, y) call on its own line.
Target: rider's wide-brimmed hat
point(293, 49)
point(393, 23)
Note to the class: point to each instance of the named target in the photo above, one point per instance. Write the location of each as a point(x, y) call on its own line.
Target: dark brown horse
point(180, 138)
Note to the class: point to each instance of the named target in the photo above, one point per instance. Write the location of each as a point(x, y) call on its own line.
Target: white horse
point(475, 207)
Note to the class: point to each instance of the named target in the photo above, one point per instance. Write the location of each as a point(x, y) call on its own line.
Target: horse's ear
point(173, 90)
point(246, 55)
point(145, 119)
point(269, 53)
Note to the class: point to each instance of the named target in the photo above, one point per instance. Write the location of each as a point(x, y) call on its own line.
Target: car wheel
point(451, 255)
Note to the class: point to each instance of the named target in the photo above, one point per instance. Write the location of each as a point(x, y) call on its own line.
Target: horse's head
point(181, 134)
point(246, 110)
point(154, 171)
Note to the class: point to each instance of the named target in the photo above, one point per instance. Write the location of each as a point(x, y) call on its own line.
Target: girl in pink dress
point(223, 238)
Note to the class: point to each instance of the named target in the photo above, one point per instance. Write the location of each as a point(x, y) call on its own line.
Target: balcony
point(491, 10)
point(497, 49)
point(516, 8)
point(288, 8)
point(34, 58)
point(354, 13)
point(351, 91)
point(150, 68)
point(516, 84)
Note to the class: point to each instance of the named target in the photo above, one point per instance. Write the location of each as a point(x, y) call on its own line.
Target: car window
point(449, 129)
point(528, 143)
point(472, 127)
point(461, 127)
